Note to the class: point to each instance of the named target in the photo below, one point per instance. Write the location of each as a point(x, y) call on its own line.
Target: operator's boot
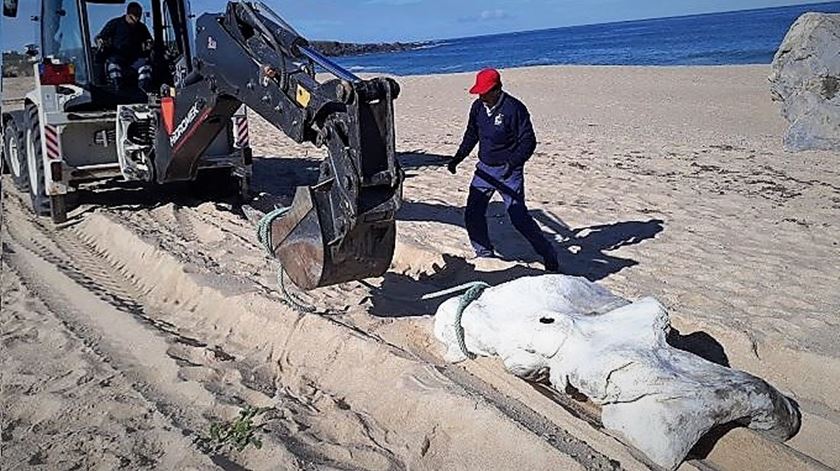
point(115, 76)
point(144, 78)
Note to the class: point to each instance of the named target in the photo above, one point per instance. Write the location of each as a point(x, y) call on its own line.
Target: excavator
point(75, 128)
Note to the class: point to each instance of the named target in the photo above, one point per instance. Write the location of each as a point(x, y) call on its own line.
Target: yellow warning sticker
point(303, 96)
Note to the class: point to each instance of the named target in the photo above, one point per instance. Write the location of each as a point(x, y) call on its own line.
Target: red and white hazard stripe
point(53, 142)
point(243, 138)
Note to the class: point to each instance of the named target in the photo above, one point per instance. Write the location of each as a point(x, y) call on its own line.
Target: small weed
point(237, 434)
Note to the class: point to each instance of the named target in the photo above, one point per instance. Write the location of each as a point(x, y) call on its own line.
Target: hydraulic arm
point(343, 227)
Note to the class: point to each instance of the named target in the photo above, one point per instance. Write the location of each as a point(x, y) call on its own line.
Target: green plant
point(238, 433)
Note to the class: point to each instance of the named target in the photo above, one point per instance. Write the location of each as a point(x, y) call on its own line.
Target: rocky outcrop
point(335, 48)
point(16, 64)
point(806, 80)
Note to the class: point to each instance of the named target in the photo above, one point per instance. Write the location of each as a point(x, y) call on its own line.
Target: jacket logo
point(499, 119)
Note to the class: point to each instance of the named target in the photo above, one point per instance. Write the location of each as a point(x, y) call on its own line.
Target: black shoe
point(552, 267)
point(490, 254)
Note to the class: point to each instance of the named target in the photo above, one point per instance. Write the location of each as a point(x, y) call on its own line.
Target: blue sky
point(411, 20)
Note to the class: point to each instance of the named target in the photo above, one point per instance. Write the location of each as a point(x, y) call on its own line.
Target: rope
point(472, 292)
point(264, 235)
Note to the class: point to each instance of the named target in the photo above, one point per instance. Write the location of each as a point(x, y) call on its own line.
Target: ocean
point(743, 37)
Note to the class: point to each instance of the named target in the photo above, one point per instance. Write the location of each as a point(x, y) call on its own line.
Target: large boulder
point(806, 80)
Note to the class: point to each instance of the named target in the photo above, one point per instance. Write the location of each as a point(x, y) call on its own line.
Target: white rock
point(806, 79)
point(657, 398)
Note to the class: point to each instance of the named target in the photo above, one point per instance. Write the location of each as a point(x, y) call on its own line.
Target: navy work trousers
point(117, 68)
point(486, 182)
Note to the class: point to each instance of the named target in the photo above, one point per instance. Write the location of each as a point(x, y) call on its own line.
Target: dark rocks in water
point(17, 65)
point(335, 48)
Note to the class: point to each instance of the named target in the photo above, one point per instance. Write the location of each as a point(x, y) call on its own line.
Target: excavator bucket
point(344, 228)
point(311, 262)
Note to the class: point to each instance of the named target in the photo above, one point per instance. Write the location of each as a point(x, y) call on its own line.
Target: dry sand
point(153, 315)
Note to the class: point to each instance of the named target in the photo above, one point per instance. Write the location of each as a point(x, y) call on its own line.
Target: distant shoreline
point(20, 84)
point(340, 49)
point(15, 63)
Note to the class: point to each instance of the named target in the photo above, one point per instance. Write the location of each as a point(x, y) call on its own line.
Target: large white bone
point(657, 398)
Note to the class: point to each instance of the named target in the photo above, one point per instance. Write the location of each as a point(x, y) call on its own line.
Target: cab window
point(62, 35)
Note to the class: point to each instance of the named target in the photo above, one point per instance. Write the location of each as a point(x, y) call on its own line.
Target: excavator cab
point(76, 128)
point(69, 29)
point(168, 22)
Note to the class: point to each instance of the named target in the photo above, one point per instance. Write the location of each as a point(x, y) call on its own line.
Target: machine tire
point(14, 154)
point(35, 163)
point(219, 183)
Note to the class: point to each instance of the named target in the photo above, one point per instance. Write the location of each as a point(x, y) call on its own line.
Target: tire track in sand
point(179, 374)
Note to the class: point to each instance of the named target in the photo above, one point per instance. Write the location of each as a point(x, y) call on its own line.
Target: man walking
point(501, 126)
point(127, 43)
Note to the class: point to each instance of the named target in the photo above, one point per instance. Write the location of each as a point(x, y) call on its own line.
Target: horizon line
point(579, 25)
point(524, 31)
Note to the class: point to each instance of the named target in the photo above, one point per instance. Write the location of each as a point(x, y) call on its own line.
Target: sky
point(413, 20)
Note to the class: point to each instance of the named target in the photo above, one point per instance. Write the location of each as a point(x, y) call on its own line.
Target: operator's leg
point(144, 74)
point(514, 198)
point(475, 217)
point(115, 73)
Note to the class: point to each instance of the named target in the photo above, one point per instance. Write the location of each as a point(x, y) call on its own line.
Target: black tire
point(14, 155)
point(4, 167)
point(220, 183)
point(35, 158)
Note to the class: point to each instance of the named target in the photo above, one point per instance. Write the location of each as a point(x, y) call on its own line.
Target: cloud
point(497, 14)
point(323, 22)
point(392, 2)
point(486, 15)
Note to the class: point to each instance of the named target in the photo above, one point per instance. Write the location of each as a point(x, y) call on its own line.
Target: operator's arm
point(107, 34)
point(526, 139)
point(148, 43)
point(470, 135)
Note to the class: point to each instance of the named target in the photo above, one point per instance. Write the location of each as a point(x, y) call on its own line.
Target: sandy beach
point(152, 315)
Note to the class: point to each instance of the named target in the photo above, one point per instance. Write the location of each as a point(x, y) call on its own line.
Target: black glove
point(453, 164)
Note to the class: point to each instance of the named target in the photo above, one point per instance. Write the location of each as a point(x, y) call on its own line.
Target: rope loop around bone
point(472, 291)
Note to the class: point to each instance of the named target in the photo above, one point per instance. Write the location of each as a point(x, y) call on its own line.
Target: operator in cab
point(127, 44)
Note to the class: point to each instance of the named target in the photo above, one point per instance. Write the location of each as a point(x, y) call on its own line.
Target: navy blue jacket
point(126, 41)
point(505, 137)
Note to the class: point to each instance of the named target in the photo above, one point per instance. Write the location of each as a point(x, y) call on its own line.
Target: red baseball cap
point(485, 81)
